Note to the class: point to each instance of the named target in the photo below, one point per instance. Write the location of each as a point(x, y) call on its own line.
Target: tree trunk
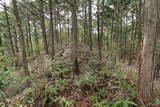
point(30, 37)
point(146, 73)
point(75, 67)
point(24, 57)
point(98, 32)
point(36, 36)
point(85, 24)
point(68, 21)
point(43, 27)
point(16, 41)
point(1, 44)
point(139, 25)
point(27, 41)
point(51, 28)
point(90, 24)
point(9, 30)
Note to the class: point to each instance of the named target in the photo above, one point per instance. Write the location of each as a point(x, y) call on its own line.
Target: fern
point(103, 103)
point(94, 98)
point(124, 103)
point(157, 101)
point(64, 102)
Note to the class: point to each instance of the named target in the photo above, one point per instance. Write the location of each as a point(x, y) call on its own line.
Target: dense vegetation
point(79, 53)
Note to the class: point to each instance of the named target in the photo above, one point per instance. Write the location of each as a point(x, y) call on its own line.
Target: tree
point(51, 27)
point(98, 31)
point(90, 24)
point(22, 42)
point(139, 23)
point(43, 27)
point(30, 36)
point(36, 36)
point(9, 30)
point(75, 66)
point(146, 73)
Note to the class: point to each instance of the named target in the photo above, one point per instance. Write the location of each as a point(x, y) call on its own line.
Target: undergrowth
point(98, 85)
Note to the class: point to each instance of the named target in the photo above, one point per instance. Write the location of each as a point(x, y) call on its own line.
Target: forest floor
point(52, 84)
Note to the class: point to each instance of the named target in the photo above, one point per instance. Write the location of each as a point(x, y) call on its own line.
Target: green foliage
point(63, 102)
point(124, 103)
point(103, 103)
point(102, 92)
point(157, 100)
point(51, 90)
point(5, 78)
point(86, 79)
point(5, 75)
point(2, 48)
point(2, 96)
point(94, 98)
point(60, 72)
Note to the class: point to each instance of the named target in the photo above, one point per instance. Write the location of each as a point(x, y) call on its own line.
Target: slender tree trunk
point(51, 28)
point(139, 28)
point(112, 27)
point(43, 27)
point(132, 39)
point(9, 30)
point(27, 42)
point(98, 32)
point(61, 34)
point(102, 31)
point(68, 29)
point(16, 41)
point(36, 36)
point(139, 17)
point(30, 38)
point(1, 44)
point(16, 46)
point(146, 73)
point(125, 42)
point(90, 24)
point(56, 25)
point(0, 40)
point(75, 67)
point(19, 23)
point(85, 24)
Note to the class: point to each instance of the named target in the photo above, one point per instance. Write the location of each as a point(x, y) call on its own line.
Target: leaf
point(117, 103)
point(132, 103)
point(125, 103)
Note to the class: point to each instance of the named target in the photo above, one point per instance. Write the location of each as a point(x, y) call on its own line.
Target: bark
point(16, 41)
point(139, 25)
point(85, 25)
point(132, 39)
point(56, 25)
point(43, 27)
point(36, 36)
point(0, 41)
point(9, 31)
point(102, 31)
point(75, 66)
point(68, 21)
point(112, 33)
point(51, 28)
point(146, 73)
point(19, 23)
point(60, 33)
point(98, 32)
point(30, 37)
point(90, 24)
point(27, 42)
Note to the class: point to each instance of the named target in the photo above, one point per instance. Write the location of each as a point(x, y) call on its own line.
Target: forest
point(79, 53)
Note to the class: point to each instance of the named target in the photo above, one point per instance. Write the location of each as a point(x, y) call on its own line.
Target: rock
point(67, 52)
